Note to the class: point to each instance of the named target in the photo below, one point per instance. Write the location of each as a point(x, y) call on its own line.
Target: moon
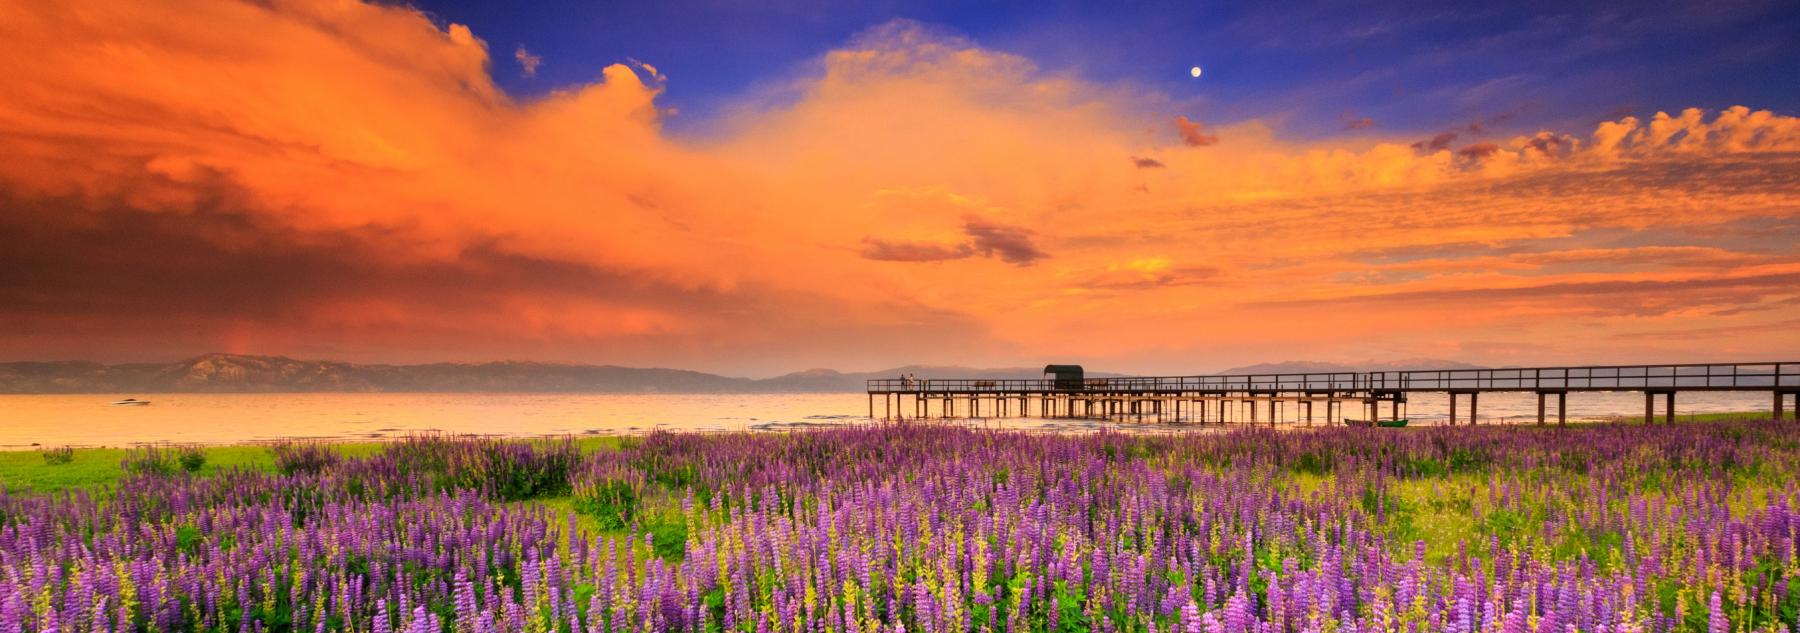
point(1195, 71)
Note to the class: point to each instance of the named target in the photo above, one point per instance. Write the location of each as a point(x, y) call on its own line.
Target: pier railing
point(1687, 377)
point(1717, 377)
point(1338, 381)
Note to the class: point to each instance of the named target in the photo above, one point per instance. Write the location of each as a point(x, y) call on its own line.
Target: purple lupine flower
point(1190, 618)
point(382, 623)
point(794, 514)
point(1717, 621)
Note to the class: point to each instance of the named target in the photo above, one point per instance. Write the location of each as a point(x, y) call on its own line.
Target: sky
point(753, 188)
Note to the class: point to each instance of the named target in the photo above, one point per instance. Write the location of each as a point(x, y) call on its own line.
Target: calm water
point(90, 420)
point(1433, 408)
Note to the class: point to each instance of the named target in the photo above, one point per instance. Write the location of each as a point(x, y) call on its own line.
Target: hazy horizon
point(1423, 362)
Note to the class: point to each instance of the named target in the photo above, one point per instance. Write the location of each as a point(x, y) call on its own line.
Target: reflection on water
point(90, 420)
point(224, 418)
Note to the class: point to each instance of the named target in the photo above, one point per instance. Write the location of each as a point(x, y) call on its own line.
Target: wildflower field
point(932, 529)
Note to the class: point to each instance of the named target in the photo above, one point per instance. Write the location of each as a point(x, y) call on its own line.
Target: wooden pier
point(1323, 398)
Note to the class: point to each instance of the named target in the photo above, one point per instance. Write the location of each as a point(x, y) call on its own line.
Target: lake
point(91, 420)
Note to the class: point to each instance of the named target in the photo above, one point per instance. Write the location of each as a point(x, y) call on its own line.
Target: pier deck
point(1217, 398)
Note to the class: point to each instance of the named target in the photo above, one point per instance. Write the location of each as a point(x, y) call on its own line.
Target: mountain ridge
point(239, 373)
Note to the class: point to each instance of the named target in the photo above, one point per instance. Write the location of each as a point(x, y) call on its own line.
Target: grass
point(93, 469)
point(664, 520)
point(1450, 509)
point(1684, 418)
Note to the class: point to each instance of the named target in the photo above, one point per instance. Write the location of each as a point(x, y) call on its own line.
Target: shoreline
point(95, 466)
point(36, 422)
point(1048, 425)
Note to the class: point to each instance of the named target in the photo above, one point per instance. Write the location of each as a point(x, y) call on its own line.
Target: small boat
point(1389, 424)
point(131, 402)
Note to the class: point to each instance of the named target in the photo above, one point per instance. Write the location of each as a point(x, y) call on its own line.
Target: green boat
point(1391, 424)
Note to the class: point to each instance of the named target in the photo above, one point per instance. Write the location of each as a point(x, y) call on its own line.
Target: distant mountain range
point(232, 373)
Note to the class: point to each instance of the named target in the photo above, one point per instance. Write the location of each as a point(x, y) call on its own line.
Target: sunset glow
point(336, 179)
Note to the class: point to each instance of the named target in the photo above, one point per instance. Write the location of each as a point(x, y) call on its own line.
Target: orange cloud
point(1193, 132)
point(883, 250)
point(1478, 151)
point(344, 179)
point(1735, 130)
